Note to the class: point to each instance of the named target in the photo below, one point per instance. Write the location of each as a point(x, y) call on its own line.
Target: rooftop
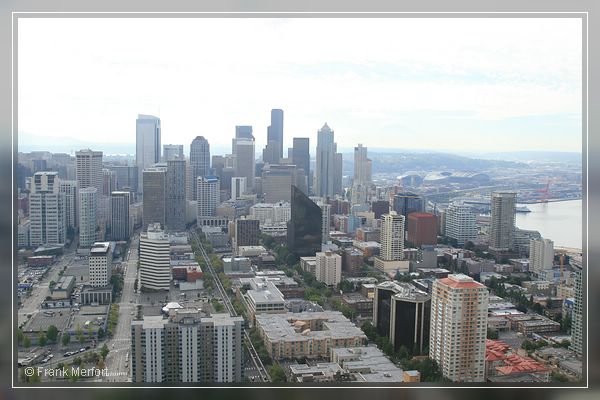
point(100, 249)
point(460, 281)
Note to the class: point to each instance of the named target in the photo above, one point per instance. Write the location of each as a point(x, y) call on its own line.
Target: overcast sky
point(444, 84)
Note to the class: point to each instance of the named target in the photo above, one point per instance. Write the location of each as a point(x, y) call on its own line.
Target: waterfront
point(559, 221)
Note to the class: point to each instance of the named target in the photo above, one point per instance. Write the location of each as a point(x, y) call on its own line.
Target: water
point(559, 221)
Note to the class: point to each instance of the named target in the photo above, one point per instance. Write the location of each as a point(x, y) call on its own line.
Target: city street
point(120, 344)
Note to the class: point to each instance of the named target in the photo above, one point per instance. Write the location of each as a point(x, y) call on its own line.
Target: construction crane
point(545, 191)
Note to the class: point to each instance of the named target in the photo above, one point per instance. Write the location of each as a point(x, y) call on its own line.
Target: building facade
point(120, 225)
point(304, 230)
point(154, 199)
point(88, 222)
point(175, 205)
point(392, 237)
point(155, 260)
point(541, 255)
point(208, 196)
point(328, 268)
point(460, 223)
point(46, 210)
point(100, 264)
point(147, 145)
point(199, 162)
point(459, 327)
point(502, 222)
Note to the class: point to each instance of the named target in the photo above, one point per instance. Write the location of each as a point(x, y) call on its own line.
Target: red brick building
point(422, 228)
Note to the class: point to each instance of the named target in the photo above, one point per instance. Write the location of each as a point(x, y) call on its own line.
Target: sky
point(446, 84)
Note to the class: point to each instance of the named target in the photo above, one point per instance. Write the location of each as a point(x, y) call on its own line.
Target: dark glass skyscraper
point(175, 195)
point(275, 134)
point(199, 161)
point(406, 203)
point(304, 231)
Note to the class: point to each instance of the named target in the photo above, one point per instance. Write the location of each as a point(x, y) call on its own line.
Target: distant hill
point(391, 162)
point(539, 156)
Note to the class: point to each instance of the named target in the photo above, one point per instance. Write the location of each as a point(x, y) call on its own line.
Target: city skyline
point(458, 91)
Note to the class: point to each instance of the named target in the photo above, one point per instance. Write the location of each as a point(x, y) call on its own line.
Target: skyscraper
point(502, 222)
point(328, 268)
point(577, 326)
point(109, 181)
point(154, 200)
point(541, 255)
point(406, 203)
point(246, 232)
point(244, 158)
point(392, 237)
point(119, 211)
point(69, 188)
point(187, 347)
point(172, 152)
point(46, 210)
point(100, 264)
point(362, 166)
point(208, 196)
point(88, 169)
point(199, 162)
point(155, 259)
point(275, 134)
point(277, 181)
point(304, 230)
point(175, 195)
point(88, 206)
point(402, 313)
point(460, 223)
point(301, 159)
point(147, 145)
point(327, 172)
point(459, 310)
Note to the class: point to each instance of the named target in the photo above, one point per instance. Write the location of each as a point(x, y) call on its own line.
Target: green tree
point(52, 333)
point(26, 342)
point(42, 339)
point(66, 338)
point(104, 351)
point(492, 334)
point(20, 336)
point(101, 333)
point(277, 374)
point(79, 334)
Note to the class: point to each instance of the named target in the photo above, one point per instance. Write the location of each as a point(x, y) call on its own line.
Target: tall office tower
point(402, 312)
point(502, 222)
point(155, 259)
point(46, 210)
point(328, 268)
point(577, 327)
point(175, 196)
point(88, 221)
point(392, 237)
point(277, 181)
point(304, 230)
point(127, 176)
point(88, 169)
point(226, 175)
point(187, 347)
point(362, 166)
point(208, 196)
point(154, 200)
point(541, 255)
point(338, 176)
point(238, 187)
point(459, 310)
point(270, 154)
point(69, 188)
point(109, 181)
point(244, 162)
point(100, 264)
point(380, 207)
point(325, 222)
point(246, 232)
point(120, 224)
point(147, 145)
point(422, 229)
point(406, 203)
point(301, 159)
point(172, 152)
point(275, 134)
point(326, 171)
point(199, 162)
point(218, 163)
point(460, 223)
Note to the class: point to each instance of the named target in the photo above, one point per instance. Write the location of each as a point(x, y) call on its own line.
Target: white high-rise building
point(155, 260)
point(147, 145)
point(88, 169)
point(88, 222)
point(208, 196)
point(46, 210)
point(328, 268)
point(502, 221)
point(392, 237)
point(271, 213)
point(69, 188)
point(461, 223)
point(100, 264)
point(244, 161)
point(459, 310)
point(541, 255)
point(199, 162)
point(238, 187)
point(187, 347)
